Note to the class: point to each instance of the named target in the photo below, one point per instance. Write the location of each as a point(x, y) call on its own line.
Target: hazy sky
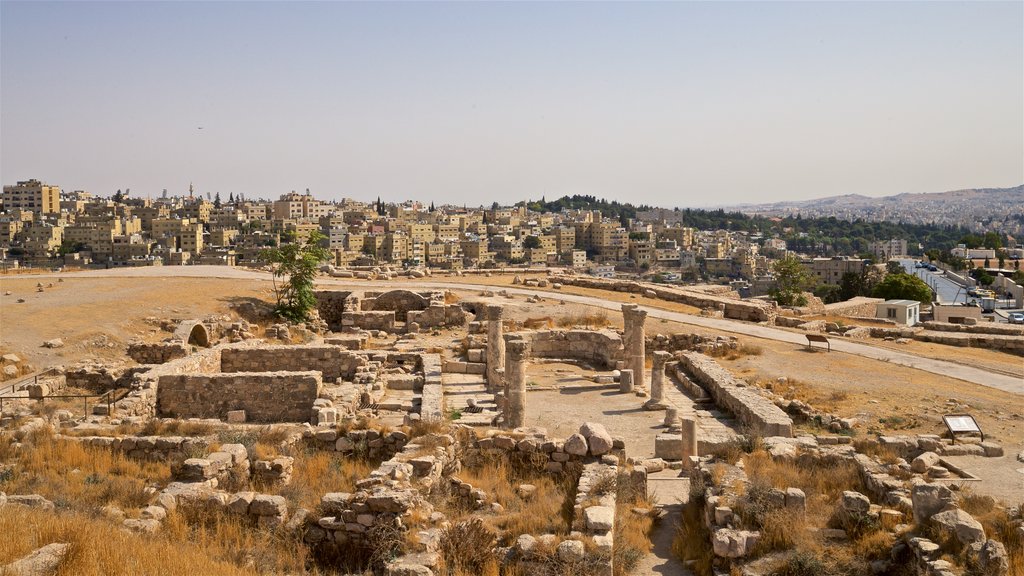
point(675, 104)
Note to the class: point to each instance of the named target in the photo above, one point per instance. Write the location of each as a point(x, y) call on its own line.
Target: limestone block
point(922, 463)
point(796, 499)
point(576, 445)
point(958, 524)
point(668, 446)
point(928, 500)
point(570, 551)
point(598, 438)
point(989, 558)
point(43, 561)
point(239, 503)
point(267, 505)
point(992, 450)
point(599, 518)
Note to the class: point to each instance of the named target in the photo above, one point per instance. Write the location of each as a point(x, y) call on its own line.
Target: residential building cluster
point(42, 226)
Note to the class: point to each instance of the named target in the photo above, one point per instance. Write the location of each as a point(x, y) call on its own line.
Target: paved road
point(1008, 383)
point(949, 292)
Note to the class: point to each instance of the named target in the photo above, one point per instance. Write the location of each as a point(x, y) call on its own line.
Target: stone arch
point(193, 332)
point(401, 301)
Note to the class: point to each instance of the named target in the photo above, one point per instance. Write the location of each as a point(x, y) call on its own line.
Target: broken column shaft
point(516, 352)
point(495, 347)
point(633, 342)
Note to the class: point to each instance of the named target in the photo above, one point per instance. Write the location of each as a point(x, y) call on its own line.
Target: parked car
point(932, 268)
point(1016, 318)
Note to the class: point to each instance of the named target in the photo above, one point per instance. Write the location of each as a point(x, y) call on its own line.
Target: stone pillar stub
point(688, 425)
point(657, 401)
point(634, 344)
point(625, 381)
point(671, 416)
point(494, 314)
point(516, 354)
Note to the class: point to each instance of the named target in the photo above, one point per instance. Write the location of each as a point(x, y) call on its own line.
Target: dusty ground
point(96, 317)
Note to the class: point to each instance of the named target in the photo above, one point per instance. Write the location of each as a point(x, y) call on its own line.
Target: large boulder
point(598, 438)
point(988, 558)
point(960, 525)
point(929, 499)
point(576, 445)
point(42, 562)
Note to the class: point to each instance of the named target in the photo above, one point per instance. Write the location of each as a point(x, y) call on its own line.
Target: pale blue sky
point(687, 103)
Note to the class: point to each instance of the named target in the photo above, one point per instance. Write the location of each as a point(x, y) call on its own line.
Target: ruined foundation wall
point(265, 396)
point(332, 361)
point(754, 410)
point(751, 310)
point(158, 353)
point(603, 348)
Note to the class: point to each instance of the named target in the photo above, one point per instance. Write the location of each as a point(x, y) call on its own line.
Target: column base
point(653, 404)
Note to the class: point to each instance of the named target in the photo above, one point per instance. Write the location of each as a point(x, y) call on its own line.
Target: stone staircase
point(467, 393)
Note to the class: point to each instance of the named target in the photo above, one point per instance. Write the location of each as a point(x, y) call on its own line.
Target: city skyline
point(684, 104)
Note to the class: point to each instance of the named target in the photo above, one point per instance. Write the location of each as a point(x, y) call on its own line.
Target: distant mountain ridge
point(1000, 209)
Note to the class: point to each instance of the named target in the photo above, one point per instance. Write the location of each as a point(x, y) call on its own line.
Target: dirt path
point(671, 492)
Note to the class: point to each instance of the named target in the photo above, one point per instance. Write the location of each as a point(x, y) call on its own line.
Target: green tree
point(829, 293)
point(531, 242)
point(791, 279)
point(903, 286)
point(298, 263)
point(216, 201)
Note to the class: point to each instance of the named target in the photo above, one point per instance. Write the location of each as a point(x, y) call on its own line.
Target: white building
point(906, 312)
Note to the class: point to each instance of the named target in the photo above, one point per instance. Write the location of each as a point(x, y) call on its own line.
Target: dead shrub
point(586, 320)
point(538, 323)
point(467, 547)
point(451, 297)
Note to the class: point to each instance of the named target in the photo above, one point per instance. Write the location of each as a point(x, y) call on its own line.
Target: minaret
point(189, 189)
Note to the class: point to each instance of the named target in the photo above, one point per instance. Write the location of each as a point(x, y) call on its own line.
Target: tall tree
point(791, 279)
point(297, 264)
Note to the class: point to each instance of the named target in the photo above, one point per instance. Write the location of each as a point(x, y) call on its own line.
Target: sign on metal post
point(962, 424)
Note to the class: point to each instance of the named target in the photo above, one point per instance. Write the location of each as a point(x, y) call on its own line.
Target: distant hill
point(1000, 209)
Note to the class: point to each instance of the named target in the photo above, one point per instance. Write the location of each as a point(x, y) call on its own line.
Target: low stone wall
point(97, 378)
point(157, 353)
point(760, 414)
point(374, 320)
point(369, 443)
point(984, 328)
point(750, 310)
point(859, 306)
point(148, 448)
point(141, 400)
point(1003, 343)
point(265, 396)
point(438, 315)
point(602, 348)
point(332, 361)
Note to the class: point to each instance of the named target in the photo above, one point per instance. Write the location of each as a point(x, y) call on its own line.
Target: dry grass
point(451, 297)
point(632, 536)
point(318, 473)
point(997, 523)
point(79, 477)
point(539, 323)
point(546, 512)
point(234, 539)
point(99, 548)
point(586, 320)
point(814, 478)
point(693, 540)
point(170, 428)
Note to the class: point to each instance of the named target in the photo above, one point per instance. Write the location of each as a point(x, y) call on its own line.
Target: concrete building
point(888, 249)
point(905, 312)
point(32, 195)
point(831, 270)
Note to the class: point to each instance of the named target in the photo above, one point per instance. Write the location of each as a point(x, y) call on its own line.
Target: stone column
point(671, 416)
point(625, 380)
point(495, 347)
point(688, 424)
point(515, 378)
point(633, 342)
point(657, 401)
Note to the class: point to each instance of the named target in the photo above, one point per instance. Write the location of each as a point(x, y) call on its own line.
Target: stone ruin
point(392, 311)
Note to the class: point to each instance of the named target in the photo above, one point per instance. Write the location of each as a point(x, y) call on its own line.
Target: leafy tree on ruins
point(903, 286)
point(791, 279)
point(298, 262)
point(531, 242)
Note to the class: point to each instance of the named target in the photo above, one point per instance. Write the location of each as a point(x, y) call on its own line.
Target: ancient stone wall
point(333, 304)
point(983, 328)
point(265, 396)
point(148, 448)
point(332, 361)
point(438, 315)
point(1004, 343)
point(751, 310)
point(157, 353)
point(602, 347)
point(754, 410)
point(373, 320)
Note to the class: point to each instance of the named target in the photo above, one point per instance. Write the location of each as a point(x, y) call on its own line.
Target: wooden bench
point(818, 338)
